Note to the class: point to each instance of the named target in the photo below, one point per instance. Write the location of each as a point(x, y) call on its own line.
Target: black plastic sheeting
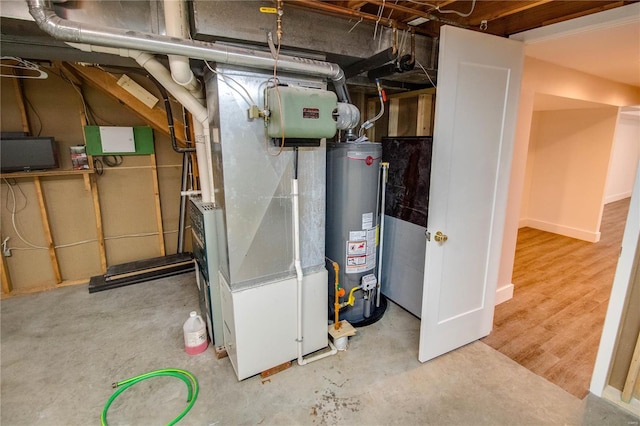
point(409, 159)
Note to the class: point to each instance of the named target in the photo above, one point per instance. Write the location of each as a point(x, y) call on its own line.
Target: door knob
point(440, 237)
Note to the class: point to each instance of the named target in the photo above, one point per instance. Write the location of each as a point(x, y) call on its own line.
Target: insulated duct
point(63, 29)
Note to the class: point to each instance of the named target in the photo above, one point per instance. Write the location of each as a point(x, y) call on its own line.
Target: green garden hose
point(188, 378)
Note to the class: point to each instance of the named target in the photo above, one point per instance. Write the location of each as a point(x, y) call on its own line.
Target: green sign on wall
point(142, 135)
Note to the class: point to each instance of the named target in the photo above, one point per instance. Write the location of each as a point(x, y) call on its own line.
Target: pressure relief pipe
point(384, 169)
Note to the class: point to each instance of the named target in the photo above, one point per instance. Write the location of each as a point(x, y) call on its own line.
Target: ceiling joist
point(501, 18)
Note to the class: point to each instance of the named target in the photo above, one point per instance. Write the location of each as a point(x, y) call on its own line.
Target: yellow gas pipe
point(339, 292)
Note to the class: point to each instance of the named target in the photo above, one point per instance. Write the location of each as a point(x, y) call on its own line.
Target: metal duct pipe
point(374, 61)
point(63, 29)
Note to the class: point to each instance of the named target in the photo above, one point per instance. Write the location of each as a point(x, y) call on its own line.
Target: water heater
point(353, 214)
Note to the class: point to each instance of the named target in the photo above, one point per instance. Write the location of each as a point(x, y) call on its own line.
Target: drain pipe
point(298, 267)
point(75, 32)
point(197, 110)
point(188, 99)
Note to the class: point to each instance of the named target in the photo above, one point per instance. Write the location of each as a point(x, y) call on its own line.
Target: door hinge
point(428, 235)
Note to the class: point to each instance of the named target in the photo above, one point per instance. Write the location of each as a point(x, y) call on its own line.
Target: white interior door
point(476, 107)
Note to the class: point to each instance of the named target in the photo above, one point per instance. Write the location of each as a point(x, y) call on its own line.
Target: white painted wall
point(567, 170)
point(546, 78)
point(624, 158)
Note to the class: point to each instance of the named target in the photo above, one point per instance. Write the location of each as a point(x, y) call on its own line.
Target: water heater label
point(367, 220)
point(356, 247)
point(357, 235)
point(361, 251)
point(311, 113)
point(355, 262)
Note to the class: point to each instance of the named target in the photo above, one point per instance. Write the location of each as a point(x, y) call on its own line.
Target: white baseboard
point(614, 395)
point(567, 231)
point(504, 293)
point(617, 197)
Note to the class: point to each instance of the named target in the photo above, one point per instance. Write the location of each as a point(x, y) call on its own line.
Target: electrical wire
point(225, 76)
point(84, 104)
point(437, 8)
point(35, 112)
point(13, 219)
point(113, 160)
point(188, 378)
point(379, 15)
point(275, 83)
point(32, 246)
point(426, 73)
point(89, 112)
point(6, 204)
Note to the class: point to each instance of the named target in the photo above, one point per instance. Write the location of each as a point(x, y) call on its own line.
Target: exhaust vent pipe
point(75, 32)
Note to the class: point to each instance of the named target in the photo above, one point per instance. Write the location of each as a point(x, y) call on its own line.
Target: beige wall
point(546, 78)
point(624, 158)
point(567, 166)
point(126, 193)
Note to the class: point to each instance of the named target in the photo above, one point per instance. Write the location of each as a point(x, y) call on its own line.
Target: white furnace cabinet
point(259, 323)
point(253, 186)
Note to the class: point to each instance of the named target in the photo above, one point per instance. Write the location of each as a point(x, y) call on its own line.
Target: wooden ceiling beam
point(355, 5)
point(552, 12)
point(390, 5)
point(417, 12)
point(584, 12)
point(508, 11)
point(333, 9)
point(108, 84)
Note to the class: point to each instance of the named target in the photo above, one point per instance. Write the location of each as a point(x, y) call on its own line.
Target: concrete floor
point(61, 350)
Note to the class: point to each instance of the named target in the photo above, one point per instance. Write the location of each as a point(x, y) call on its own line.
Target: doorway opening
point(552, 326)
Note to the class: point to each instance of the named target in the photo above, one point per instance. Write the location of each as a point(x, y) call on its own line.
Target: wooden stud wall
point(56, 209)
point(408, 114)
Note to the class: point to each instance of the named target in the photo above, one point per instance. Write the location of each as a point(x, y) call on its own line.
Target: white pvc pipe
point(182, 95)
point(299, 277)
point(204, 166)
point(197, 110)
point(190, 102)
point(176, 25)
point(297, 264)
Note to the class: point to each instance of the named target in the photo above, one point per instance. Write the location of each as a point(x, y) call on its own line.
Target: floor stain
point(330, 409)
point(334, 383)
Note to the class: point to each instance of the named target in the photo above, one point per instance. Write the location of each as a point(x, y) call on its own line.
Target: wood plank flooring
point(552, 326)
